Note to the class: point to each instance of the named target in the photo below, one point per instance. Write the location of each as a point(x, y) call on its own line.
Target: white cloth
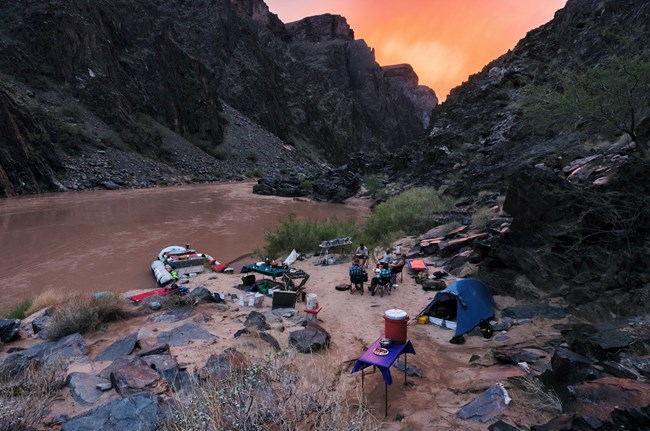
point(293, 256)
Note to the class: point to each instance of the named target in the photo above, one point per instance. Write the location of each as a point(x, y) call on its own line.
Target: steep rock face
point(406, 84)
point(155, 74)
point(481, 125)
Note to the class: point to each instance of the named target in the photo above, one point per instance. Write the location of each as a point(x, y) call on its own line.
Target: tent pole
point(362, 390)
point(405, 367)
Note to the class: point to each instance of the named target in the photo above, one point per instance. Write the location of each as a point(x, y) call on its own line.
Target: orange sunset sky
point(444, 40)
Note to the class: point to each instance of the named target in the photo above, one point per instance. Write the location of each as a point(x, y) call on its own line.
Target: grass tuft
point(19, 310)
point(82, 314)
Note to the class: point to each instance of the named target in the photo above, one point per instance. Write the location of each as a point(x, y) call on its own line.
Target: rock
point(123, 347)
point(182, 335)
point(502, 426)
point(515, 354)
point(158, 349)
point(85, 387)
point(257, 321)
point(596, 341)
point(201, 294)
point(171, 316)
point(536, 310)
point(41, 323)
point(568, 368)
point(310, 339)
point(219, 367)
point(265, 336)
point(139, 412)
point(137, 377)
point(490, 404)
point(9, 330)
point(155, 305)
point(165, 365)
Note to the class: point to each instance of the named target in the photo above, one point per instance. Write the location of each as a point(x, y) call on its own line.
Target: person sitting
point(396, 267)
point(387, 257)
point(361, 253)
point(357, 276)
point(382, 278)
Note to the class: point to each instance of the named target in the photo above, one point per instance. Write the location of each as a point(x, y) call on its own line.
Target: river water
point(106, 240)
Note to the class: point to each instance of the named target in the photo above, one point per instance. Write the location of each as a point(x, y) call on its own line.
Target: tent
point(463, 305)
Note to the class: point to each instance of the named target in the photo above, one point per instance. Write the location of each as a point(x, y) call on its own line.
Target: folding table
point(383, 363)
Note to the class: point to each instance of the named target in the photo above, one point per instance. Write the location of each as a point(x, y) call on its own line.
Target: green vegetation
point(375, 187)
point(307, 185)
point(18, 311)
point(305, 236)
point(253, 173)
point(610, 98)
point(83, 315)
point(405, 214)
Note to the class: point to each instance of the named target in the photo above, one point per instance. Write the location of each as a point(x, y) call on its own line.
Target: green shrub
point(305, 236)
point(18, 310)
point(83, 315)
point(375, 187)
point(253, 173)
point(307, 185)
point(407, 213)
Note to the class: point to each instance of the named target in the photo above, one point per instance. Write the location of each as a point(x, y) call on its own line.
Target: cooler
point(395, 324)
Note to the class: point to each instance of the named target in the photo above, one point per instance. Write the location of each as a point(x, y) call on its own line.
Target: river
point(106, 240)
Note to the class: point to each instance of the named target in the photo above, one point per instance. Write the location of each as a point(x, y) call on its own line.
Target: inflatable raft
point(175, 262)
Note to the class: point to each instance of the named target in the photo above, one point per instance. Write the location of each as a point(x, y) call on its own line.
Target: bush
point(18, 311)
point(25, 402)
point(306, 236)
point(407, 213)
point(48, 298)
point(271, 394)
point(83, 315)
point(375, 187)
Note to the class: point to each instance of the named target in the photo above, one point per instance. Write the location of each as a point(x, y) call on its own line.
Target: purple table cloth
point(383, 362)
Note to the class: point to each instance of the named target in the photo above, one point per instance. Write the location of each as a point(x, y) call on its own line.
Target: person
point(356, 269)
point(387, 257)
point(361, 253)
point(382, 276)
point(396, 267)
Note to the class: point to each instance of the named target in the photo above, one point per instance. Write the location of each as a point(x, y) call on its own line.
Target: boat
point(175, 262)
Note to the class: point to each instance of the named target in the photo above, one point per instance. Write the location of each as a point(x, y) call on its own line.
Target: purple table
point(383, 363)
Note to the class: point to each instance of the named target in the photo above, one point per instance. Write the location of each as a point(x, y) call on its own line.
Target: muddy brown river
point(106, 240)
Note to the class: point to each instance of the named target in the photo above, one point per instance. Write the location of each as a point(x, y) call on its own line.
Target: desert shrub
point(271, 394)
point(375, 187)
point(19, 310)
point(482, 217)
point(307, 185)
point(253, 173)
point(45, 299)
point(81, 314)
point(407, 213)
point(535, 394)
point(306, 235)
point(24, 402)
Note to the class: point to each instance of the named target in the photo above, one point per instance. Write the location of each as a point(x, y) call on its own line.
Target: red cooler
point(395, 325)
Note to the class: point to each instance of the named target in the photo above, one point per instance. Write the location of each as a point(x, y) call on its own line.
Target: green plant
point(253, 173)
point(407, 213)
point(481, 217)
point(82, 315)
point(609, 98)
point(18, 311)
point(375, 187)
point(306, 235)
point(253, 157)
point(307, 185)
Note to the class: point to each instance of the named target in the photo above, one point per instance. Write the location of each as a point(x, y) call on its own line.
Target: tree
point(613, 96)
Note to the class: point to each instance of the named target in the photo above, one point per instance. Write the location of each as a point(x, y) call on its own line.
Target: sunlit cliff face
point(444, 40)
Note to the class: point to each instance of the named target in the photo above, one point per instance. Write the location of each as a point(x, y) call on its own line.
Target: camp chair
point(395, 272)
point(384, 285)
point(357, 283)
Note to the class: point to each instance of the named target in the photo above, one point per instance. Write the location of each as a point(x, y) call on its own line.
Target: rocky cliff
point(144, 84)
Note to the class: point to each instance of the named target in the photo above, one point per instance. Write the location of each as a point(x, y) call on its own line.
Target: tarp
point(293, 256)
point(471, 300)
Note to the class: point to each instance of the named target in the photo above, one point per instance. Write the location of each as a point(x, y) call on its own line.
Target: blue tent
point(462, 306)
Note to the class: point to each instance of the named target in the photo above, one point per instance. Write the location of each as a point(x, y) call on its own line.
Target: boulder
point(9, 330)
point(182, 335)
point(201, 294)
point(256, 320)
point(220, 366)
point(173, 315)
point(139, 412)
point(86, 388)
point(310, 339)
point(487, 406)
point(119, 348)
point(138, 377)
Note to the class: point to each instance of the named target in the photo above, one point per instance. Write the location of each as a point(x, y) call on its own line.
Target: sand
point(452, 375)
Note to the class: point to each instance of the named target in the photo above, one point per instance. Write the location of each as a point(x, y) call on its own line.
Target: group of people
point(388, 266)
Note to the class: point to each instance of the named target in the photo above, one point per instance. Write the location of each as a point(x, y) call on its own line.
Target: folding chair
point(395, 272)
point(357, 283)
point(384, 285)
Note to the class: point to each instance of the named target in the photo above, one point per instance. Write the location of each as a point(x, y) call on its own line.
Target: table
point(326, 245)
point(291, 277)
point(264, 269)
point(383, 363)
